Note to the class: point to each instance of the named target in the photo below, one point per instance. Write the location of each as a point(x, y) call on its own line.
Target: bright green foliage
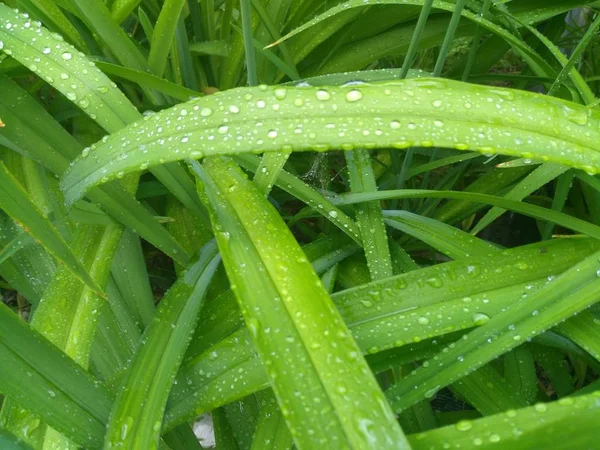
point(409, 261)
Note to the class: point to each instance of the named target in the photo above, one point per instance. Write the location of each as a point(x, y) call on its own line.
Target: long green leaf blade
point(440, 113)
point(278, 302)
point(15, 201)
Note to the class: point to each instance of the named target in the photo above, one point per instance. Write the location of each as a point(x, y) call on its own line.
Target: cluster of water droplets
point(434, 113)
point(55, 61)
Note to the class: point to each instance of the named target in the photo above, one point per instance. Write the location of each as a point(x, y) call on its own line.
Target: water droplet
point(205, 112)
point(272, 134)
point(223, 129)
point(323, 95)
point(354, 95)
point(480, 319)
point(540, 407)
point(234, 109)
point(431, 392)
point(437, 103)
point(333, 214)
point(280, 93)
point(423, 321)
point(67, 56)
point(183, 112)
point(464, 425)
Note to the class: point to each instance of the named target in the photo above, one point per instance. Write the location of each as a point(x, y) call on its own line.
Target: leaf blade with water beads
point(273, 299)
point(136, 418)
point(570, 293)
point(544, 424)
point(208, 379)
point(67, 316)
point(15, 201)
point(82, 83)
point(437, 112)
point(67, 397)
point(46, 141)
point(373, 232)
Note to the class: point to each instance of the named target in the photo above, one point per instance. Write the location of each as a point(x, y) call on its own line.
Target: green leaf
point(15, 201)
point(276, 302)
point(136, 418)
point(66, 396)
point(68, 316)
point(568, 294)
point(369, 217)
point(9, 442)
point(494, 120)
point(543, 425)
point(162, 38)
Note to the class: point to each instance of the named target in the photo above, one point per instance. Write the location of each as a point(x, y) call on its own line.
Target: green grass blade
point(542, 425)
point(66, 70)
point(369, 217)
point(30, 270)
point(571, 292)
point(583, 330)
point(68, 315)
point(131, 279)
point(98, 17)
point(68, 398)
point(451, 241)
point(527, 209)
point(147, 80)
point(520, 373)
point(416, 38)
point(162, 38)
point(277, 300)
point(445, 48)
point(270, 167)
point(136, 418)
point(15, 201)
point(308, 195)
point(10, 442)
point(122, 8)
point(271, 431)
point(486, 125)
point(541, 176)
point(487, 391)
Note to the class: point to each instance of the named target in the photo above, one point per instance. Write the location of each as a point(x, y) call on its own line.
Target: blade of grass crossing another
point(162, 38)
point(136, 418)
point(571, 292)
point(369, 217)
point(67, 316)
point(278, 290)
point(15, 201)
point(436, 117)
point(539, 426)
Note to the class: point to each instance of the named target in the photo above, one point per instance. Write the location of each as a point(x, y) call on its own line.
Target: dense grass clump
point(362, 224)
